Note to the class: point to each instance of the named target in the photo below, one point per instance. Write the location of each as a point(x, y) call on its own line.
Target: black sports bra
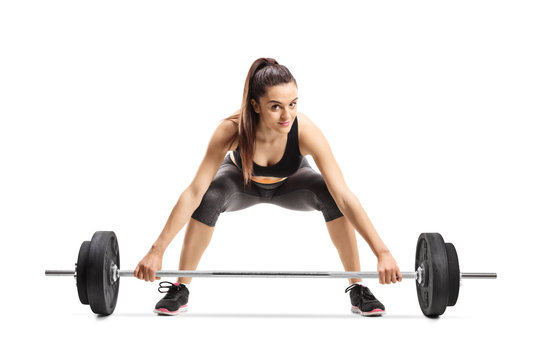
point(289, 163)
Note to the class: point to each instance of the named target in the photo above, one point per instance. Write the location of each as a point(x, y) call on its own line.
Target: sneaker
point(363, 302)
point(175, 301)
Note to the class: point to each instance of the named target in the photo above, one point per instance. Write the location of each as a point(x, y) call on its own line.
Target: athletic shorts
point(305, 190)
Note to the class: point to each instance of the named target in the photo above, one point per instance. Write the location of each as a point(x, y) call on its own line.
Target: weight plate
point(102, 289)
point(453, 274)
point(433, 292)
point(82, 263)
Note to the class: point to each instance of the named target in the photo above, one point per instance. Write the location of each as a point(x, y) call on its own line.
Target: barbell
point(438, 277)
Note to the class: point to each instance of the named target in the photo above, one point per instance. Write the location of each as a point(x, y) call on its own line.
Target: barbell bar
point(270, 274)
point(438, 277)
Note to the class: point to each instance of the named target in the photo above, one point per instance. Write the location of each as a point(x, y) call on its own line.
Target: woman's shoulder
point(235, 117)
point(306, 131)
point(303, 119)
point(305, 124)
point(229, 128)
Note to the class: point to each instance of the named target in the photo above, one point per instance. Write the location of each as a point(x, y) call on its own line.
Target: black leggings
point(305, 190)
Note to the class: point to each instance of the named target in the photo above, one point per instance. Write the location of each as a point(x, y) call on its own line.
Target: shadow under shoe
point(364, 302)
point(175, 299)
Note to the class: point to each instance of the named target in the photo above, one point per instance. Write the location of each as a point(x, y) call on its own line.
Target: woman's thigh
point(306, 190)
point(226, 192)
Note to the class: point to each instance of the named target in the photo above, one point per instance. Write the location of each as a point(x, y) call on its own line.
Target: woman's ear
point(255, 106)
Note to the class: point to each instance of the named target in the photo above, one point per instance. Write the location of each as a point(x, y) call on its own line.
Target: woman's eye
point(293, 103)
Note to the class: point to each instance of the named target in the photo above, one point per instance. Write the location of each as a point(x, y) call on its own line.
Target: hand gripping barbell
point(97, 273)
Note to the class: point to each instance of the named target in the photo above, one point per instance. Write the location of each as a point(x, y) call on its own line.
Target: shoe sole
point(374, 312)
point(163, 311)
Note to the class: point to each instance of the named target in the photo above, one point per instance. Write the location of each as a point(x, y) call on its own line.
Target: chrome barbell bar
point(271, 274)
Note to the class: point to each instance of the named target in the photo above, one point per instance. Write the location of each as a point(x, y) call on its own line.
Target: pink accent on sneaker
point(167, 311)
point(374, 311)
point(182, 308)
point(177, 284)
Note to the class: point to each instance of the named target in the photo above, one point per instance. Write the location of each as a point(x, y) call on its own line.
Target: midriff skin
point(269, 155)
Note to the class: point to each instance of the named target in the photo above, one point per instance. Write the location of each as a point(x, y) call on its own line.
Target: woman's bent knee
point(327, 204)
point(208, 221)
point(212, 202)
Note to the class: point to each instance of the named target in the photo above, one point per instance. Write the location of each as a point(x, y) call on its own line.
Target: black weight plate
point(102, 290)
point(453, 274)
point(433, 292)
point(82, 263)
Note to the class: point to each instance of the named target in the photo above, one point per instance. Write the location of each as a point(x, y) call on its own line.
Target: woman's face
point(277, 106)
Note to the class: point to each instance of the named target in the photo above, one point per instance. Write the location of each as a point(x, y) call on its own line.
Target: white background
point(431, 110)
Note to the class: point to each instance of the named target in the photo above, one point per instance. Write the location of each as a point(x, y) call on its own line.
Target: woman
point(271, 139)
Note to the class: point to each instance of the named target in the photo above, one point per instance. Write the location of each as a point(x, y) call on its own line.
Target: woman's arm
point(180, 214)
point(316, 145)
point(188, 202)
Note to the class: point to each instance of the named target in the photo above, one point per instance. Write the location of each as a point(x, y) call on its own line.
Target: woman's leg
point(196, 241)
point(306, 190)
point(225, 193)
point(343, 236)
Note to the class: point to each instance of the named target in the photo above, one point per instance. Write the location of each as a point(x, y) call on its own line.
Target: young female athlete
point(271, 139)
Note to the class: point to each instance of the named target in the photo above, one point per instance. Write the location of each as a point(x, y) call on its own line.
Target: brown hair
point(264, 73)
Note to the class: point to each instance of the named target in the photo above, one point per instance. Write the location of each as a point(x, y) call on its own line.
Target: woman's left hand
point(388, 269)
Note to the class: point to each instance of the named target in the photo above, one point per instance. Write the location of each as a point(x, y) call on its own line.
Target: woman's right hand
point(147, 267)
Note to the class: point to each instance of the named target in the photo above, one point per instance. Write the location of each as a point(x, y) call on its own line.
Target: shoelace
point(364, 291)
point(171, 288)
